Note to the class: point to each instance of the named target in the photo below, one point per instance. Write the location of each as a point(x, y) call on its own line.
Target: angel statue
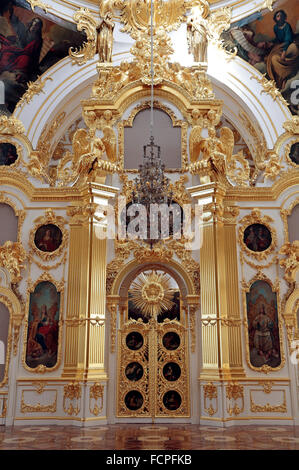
point(197, 38)
point(105, 38)
point(109, 138)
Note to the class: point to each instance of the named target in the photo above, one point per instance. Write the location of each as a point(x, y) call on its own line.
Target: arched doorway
point(154, 336)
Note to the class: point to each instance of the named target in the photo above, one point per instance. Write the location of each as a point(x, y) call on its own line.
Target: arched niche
point(4, 327)
point(166, 136)
point(293, 224)
point(9, 223)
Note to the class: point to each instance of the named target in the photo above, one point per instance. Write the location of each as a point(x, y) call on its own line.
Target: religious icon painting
point(30, 44)
point(263, 326)
point(134, 340)
point(133, 400)
point(134, 371)
point(171, 371)
point(257, 237)
point(172, 400)
point(48, 238)
point(267, 41)
point(43, 326)
point(294, 153)
point(8, 154)
point(171, 341)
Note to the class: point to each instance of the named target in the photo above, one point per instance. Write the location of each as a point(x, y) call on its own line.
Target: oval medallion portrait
point(257, 237)
point(48, 238)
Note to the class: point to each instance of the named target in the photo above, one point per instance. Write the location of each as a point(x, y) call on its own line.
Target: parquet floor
point(149, 437)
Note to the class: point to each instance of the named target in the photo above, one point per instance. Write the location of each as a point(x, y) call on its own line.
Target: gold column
point(77, 297)
point(221, 340)
point(84, 356)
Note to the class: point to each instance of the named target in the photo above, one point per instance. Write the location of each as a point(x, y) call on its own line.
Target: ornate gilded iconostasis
point(97, 328)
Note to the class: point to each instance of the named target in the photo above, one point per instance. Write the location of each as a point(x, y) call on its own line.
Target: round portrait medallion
point(48, 238)
point(294, 153)
point(172, 400)
point(171, 371)
point(133, 400)
point(171, 340)
point(8, 154)
point(257, 237)
point(134, 371)
point(134, 340)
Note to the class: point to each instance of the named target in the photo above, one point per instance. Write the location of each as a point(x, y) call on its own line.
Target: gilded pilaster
point(220, 315)
point(77, 297)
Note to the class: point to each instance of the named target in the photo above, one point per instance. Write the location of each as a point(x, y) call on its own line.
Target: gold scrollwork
point(291, 262)
point(96, 392)
point(234, 392)
point(11, 126)
point(85, 22)
point(19, 150)
point(38, 408)
point(256, 218)
point(265, 369)
point(41, 369)
point(21, 214)
point(288, 150)
point(39, 4)
point(12, 257)
point(34, 88)
point(49, 218)
point(71, 392)
point(210, 393)
point(256, 408)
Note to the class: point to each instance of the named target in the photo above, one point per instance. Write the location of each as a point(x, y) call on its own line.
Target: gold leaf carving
point(85, 22)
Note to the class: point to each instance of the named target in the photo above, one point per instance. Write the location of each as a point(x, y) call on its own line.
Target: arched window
point(293, 224)
point(166, 136)
point(9, 224)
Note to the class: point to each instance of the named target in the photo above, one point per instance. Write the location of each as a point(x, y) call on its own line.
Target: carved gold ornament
point(217, 160)
point(270, 88)
point(151, 293)
point(135, 15)
point(235, 392)
point(96, 395)
point(210, 393)
point(292, 126)
point(153, 357)
point(257, 218)
point(11, 126)
point(19, 150)
point(288, 150)
point(256, 408)
point(12, 257)
point(85, 22)
point(72, 393)
point(291, 262)
point(38, 408)
point(58, 221)
point(34, 88)
point(39, 4)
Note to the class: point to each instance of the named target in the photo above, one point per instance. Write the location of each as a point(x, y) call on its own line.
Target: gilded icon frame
point(246, 286)
point(45, 277)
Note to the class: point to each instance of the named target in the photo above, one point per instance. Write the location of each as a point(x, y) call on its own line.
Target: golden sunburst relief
point(151, 293)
